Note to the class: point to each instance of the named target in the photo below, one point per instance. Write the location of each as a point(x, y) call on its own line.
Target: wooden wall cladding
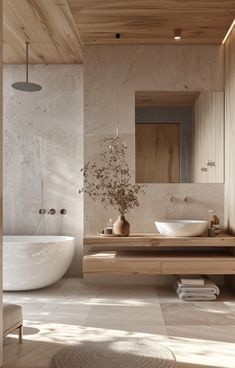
point(208, 138)
point(230, 133)
point(1, 188)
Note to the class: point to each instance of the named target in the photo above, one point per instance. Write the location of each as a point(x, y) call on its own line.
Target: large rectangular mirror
point(179, 137)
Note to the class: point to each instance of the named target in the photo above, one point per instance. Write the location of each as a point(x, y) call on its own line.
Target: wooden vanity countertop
point(155, 239)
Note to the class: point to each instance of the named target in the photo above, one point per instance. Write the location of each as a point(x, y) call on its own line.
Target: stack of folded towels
point(196, 288)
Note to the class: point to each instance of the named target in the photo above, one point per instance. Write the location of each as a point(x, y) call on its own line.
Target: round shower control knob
point(42, 211)
point(63, 211)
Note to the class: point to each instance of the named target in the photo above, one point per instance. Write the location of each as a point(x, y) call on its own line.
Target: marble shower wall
point(112, 74)
point(43, 140)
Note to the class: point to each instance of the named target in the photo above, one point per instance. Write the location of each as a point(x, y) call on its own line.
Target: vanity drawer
point(113, 263)
point(194, 267)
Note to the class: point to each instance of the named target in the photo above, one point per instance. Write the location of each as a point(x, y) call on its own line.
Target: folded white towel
point(186, 296)
point(191, 279)
point(209, 287)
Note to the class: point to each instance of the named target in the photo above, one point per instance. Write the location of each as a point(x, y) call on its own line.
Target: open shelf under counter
point(153, 254)
point(160, 262)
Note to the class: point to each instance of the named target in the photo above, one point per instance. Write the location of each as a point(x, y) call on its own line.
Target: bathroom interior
point(118, 177)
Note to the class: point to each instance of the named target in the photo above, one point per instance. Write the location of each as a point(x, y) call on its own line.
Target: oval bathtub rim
point(36, 239)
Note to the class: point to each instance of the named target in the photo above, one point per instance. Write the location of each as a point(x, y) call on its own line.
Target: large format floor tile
point(201, 335)
point(203, 346)
point(197, 313)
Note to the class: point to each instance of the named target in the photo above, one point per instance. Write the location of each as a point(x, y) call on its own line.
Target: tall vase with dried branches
point(108, 180)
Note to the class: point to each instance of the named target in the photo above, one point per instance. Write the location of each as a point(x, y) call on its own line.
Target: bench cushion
point(12, 315)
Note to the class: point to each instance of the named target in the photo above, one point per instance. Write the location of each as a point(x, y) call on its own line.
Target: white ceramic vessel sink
point(181, 227)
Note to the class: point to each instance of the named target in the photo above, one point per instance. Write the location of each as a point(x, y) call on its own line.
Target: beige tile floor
point(69, 312)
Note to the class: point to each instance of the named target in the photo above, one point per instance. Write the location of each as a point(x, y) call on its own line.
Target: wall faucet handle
point(187, 200)
point(42, 211)
point(63, 211)
point(52, 211)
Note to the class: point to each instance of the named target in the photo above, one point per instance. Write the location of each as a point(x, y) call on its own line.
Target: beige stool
point(12, 319)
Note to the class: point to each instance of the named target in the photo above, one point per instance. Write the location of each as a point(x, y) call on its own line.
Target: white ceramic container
point(33, 262)
point(181, 227)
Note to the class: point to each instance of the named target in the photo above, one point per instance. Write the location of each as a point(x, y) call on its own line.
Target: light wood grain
point(230, 133)
point(49, 27)
point(160, 99)
point(1, 186)
point(208, 138)
point(203, 267)
point(112, 263)
point(152, 21)
point(158, 153)
point(159, 263)
point(156, 240)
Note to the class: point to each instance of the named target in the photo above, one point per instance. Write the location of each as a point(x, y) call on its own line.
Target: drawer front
point(122, 267)
point(192, 267)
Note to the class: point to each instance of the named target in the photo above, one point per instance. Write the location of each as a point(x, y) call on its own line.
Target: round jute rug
point(123, 353)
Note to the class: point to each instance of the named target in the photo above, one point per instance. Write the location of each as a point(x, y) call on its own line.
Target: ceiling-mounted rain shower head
point(27, 86)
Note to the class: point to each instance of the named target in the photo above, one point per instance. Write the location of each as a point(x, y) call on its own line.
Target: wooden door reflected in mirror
point(158, 153)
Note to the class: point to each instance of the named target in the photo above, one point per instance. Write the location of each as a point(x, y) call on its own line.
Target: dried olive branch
point(109, 180)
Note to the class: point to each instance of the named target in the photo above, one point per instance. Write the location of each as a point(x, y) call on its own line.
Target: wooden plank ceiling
point(58, 29)
point(47, 25)
point(152, 21)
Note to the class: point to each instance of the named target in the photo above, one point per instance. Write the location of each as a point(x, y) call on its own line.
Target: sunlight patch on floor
point(202, 353)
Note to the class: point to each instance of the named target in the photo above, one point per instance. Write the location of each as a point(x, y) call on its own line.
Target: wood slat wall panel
point(230, 133)
point(208, 138)
point(1, 189)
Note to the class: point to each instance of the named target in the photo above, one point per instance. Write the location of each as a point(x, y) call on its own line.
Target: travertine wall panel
point(43, 140)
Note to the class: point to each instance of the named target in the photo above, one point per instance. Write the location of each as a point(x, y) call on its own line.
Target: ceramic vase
point(121, 226)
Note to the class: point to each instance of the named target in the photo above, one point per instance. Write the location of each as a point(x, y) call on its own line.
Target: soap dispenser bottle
point(214, 222)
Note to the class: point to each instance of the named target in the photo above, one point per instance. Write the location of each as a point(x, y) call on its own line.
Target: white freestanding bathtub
point(33, 262)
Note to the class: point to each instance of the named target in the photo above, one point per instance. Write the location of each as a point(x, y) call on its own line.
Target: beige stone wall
point(43, 140)
point(112, 75)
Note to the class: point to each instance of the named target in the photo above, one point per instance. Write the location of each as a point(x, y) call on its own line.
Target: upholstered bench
point(12, 319)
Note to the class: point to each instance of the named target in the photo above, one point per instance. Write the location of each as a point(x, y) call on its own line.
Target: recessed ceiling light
point(229, 31)
point(177, 34)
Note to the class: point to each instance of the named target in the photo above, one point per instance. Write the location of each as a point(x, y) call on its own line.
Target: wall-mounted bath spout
point(63, 213)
